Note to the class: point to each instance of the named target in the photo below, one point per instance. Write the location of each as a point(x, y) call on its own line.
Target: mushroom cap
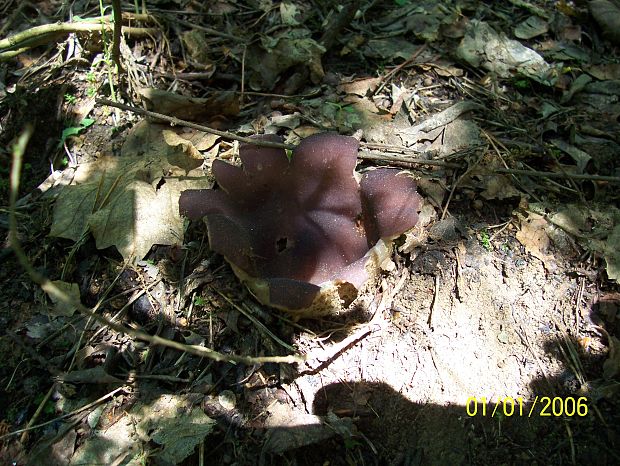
point(290, 228)
point(390, 203)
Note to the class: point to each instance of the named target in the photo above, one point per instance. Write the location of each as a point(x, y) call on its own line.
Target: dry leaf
point(498, 187)
point(360, 87)
point(190, 108)
point(129, 202)
point(534, 238)
point(483, 47)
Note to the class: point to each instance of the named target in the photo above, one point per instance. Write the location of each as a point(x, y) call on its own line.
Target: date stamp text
point(543, 406)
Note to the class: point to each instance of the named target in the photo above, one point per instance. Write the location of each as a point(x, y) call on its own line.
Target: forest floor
point(492, 336)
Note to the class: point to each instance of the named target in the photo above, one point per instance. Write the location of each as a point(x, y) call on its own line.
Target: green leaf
point(75, 130)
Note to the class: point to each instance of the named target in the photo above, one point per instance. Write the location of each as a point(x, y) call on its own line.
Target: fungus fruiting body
point(303, 234)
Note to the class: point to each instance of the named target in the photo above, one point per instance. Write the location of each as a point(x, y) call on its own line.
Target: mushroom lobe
point(303, 234)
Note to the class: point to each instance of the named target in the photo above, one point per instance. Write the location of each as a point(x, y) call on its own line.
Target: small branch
point(67, 415)
point(116, 43)
point(210, 31)
point(572, 176)
point(46, 33)
point(177, 122)
point(385, 79)
point(406, 162)
point(66, 28)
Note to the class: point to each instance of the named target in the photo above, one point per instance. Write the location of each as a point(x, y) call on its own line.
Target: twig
point(454, 186)
point(321, 358)
point(406, 162)
point(210, 31)
point(53, 291)
point(396, 160)
point(39, 35)
point(177, 122)
point(574, 176)
point(116, 41)
point(261, 327)
point(242, 95)
point(434, 305)
point(24, 437)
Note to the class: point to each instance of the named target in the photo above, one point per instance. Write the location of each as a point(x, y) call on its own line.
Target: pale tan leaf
point(183, 153)
point(498, 187)
point(360, 87)
point(534, 238)
point(127, 202)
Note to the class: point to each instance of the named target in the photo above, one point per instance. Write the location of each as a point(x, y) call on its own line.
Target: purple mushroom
point(289, 228)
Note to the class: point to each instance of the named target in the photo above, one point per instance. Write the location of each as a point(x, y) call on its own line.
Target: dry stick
point(278, 145)
point(396, 160)
point(87, 25)
point(456, 184)
point(116, 41)
point(5, 56)
point(40, 34)
point(495, 143)
point(18, 152)
point(24, 437)
point(406, 162)
point(261, 327)
point(53, 291)
point(241, 96)
point(573, 176)
point(210, 31)
point(177, 122)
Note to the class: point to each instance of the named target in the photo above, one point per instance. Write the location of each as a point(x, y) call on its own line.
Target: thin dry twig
point(116, 42)
point(174, 121)
point(386, 78)
point(386, 157)
point(456, 184)
point(261, 327)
